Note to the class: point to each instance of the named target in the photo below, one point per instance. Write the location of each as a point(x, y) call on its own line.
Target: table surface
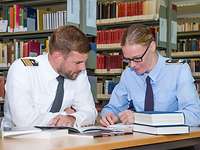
point(79, 143)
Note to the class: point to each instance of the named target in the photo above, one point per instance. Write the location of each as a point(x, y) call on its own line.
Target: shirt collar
point(157, 68)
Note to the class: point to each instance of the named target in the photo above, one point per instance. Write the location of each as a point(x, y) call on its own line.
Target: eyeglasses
point(136, 59)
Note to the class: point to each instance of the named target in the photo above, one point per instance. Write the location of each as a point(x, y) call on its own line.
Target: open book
point(76, 130)
point(90, 131)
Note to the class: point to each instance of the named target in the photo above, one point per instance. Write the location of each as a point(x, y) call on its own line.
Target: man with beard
point(51, 89)
point(151, 82)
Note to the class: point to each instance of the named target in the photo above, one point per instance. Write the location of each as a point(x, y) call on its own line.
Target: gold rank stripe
point(27, 62)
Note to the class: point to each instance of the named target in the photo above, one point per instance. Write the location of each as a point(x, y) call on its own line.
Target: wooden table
point(136, 141)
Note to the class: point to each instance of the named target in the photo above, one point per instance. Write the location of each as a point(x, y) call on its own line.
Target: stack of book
point(160, 123)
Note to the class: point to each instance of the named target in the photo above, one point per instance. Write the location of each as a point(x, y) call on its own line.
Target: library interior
point(100, 74)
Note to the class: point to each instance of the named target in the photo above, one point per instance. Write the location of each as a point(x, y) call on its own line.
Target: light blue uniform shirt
point(173, 89)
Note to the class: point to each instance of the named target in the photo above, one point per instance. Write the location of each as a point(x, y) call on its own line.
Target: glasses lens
point(126, 60)
point(137, 59)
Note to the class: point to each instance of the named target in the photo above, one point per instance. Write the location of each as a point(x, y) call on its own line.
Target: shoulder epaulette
point(175, 61)
point(29, 62)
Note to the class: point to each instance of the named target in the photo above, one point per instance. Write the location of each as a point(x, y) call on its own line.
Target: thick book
point(156, 118)
point(161, 130)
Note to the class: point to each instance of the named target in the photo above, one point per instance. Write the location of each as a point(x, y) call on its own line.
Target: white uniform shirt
point(30, 92)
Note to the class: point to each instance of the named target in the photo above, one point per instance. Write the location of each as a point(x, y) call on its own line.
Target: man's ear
point(153, 46)
point(56, 55)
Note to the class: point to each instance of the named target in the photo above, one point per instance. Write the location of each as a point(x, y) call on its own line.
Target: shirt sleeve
point(188, 98)
point(84, 103)
point(119, 98)
point(20, 106)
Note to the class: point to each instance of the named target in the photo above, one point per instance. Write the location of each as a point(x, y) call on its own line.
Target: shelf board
point(187, 54)
point(183, 3)
point(108, 72)
point(188, 34)
point(103, 97)
point(32, 2)
point(25, 35)
point(102, 47)
point(128, 19)
point(196, 75)
point(3, 68)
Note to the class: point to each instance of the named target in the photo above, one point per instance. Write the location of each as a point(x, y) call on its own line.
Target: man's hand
point(70, 110)
point(62, 120)
point(109, 119)
point(127, 117)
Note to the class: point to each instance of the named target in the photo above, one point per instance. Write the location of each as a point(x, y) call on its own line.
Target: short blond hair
point(137, 34)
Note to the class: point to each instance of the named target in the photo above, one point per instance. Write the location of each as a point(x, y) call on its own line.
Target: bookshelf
point(126, 21)
point(188, 18)
point(25, 35)
point(153, 13)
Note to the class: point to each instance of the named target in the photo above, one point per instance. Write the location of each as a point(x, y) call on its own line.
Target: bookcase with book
point(188, 41)
point(112, 19)
point(26, 26)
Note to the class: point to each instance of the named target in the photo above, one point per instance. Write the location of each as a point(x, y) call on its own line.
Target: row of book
point(109, 61)
point(194, 65)
point(197, 84)
point(18, 18)
point(114, 35)
point(109, 36)
point(191, 44)
point(107, 86)
point(2, 87)
point(185, 26)
point(15, 49)
point(123, 9)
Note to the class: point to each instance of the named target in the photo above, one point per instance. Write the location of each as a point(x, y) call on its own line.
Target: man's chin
point(73, 77)
point(138, 72)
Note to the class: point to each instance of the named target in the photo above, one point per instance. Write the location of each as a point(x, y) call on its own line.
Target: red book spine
point(11, 10)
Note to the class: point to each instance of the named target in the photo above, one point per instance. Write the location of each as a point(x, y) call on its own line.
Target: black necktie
point(149, 103)
point(57, 103)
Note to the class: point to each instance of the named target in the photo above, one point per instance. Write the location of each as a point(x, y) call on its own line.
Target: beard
point(69, 74)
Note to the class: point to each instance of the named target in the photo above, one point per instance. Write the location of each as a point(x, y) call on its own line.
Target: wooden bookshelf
point(101, 47)
point(188, 34)
point(130, 19)
point(25, 35)
point(196, 75)
point(186, 54)
point(107, 72)
point(32, 2)
point(103, 97)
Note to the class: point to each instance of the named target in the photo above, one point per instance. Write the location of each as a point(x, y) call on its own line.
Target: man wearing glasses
point(150, 83)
